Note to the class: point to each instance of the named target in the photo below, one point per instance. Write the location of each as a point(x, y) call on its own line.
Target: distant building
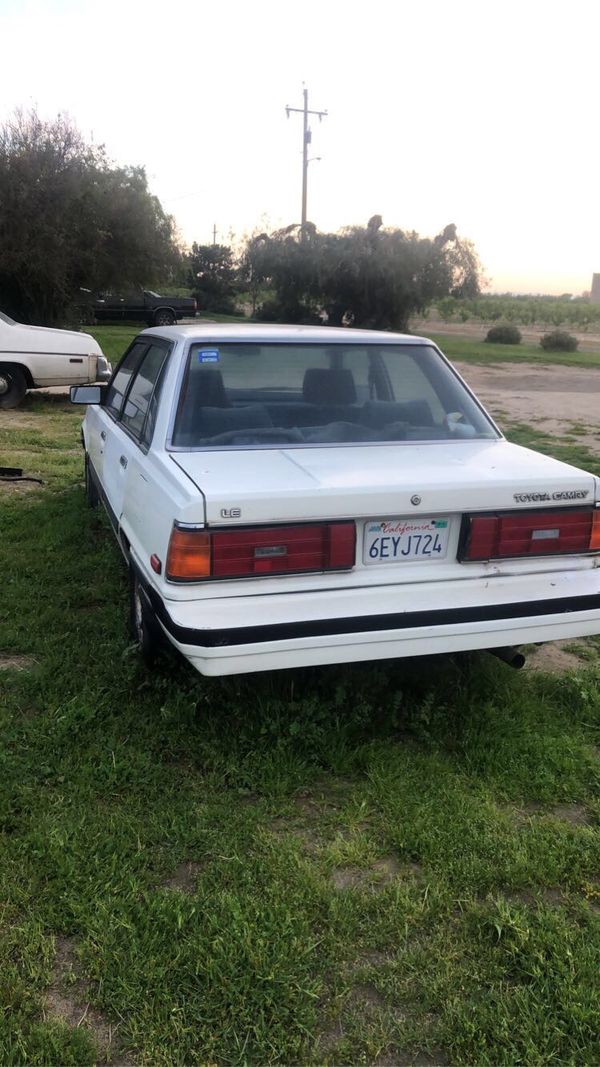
point(595, 290)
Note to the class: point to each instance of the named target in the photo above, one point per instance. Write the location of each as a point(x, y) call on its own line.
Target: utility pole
point(214, 233)
point(306, 140)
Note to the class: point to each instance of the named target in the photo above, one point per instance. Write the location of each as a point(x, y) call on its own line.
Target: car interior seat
point(205, 387)
point(328, 386)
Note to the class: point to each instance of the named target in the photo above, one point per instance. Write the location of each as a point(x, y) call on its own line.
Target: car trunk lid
point(288, 485)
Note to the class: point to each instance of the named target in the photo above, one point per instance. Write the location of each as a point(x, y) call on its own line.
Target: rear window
point(261, 395)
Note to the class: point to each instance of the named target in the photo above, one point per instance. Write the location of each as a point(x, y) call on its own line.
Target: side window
point(118, 386)
point(148, 433)
point(139, 397)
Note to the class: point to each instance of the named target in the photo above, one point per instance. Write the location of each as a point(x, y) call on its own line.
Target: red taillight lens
point(241, 553)
point(534, 533)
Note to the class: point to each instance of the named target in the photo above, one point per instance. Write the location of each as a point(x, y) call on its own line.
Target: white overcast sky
point(481, 113)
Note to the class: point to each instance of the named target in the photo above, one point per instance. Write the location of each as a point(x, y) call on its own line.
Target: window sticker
point(208, 355)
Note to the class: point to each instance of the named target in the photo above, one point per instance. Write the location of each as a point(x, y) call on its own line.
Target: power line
point(306, 140)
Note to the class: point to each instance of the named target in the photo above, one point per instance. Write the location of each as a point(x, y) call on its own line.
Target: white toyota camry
point(287, 496)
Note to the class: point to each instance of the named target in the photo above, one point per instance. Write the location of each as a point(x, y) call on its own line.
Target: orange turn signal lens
point(595, 534)
point(189, 554)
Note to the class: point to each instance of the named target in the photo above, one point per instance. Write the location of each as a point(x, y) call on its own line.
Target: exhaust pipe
point(509, 655)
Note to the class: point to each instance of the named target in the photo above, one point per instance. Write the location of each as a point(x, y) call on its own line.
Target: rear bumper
point(237, 635)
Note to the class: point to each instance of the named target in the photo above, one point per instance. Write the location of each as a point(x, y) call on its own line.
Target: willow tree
point(368, 276)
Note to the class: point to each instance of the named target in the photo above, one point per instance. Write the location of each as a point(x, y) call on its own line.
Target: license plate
point(403, 540)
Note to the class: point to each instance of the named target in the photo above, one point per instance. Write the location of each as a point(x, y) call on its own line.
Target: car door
point(134, 308)
point(100, 421)
point(127, 441)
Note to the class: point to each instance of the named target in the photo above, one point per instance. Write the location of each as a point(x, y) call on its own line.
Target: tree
point(70, 219)
point(286, 262)
point(365, 276)
point(212, 277)
point(254, 266)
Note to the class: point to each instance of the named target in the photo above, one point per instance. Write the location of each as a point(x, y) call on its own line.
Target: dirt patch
point(324, 796)
point(11, 420)
point(532, 898)
point(15, 488)
point(553, 399)
point(421, 1058)
point(313, 808)
point(328, 1039)
point(527, 811)
point(375, 878)
point(365, 998)
point(310, 838)
point(575, 814)
point(184, 878)
point(67, 1000)
point(372, 958)
point(314, 818)
point(11, 662)
point(387, 868)
point(280, 825)
point(350, 878)
point(553, 658)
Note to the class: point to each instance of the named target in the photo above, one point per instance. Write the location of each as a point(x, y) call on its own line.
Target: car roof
point(260, 332)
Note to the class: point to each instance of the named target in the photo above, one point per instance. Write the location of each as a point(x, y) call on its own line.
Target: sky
point(484, 114)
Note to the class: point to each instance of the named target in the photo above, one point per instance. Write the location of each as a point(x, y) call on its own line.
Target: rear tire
point(142, 623)
point(164, 317)
point(13, 386)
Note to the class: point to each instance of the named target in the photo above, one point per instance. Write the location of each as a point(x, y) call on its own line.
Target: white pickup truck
point(35, 357)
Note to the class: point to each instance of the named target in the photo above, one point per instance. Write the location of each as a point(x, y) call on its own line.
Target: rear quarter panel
point(157, 493)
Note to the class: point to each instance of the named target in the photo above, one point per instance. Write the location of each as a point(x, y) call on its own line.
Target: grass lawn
point(381, 864)
point(114, 340)
point(473, 351)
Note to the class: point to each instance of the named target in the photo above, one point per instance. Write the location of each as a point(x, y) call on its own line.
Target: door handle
point(123, 461)
point(103, 435)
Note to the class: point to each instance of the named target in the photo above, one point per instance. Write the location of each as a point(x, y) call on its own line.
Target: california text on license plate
point(401, 540)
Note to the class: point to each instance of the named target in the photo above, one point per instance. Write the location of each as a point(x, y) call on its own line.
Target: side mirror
point(87, 394)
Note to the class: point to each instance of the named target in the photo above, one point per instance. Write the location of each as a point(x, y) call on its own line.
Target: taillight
point(533, 533)
point(260, 550)
point(189, 554)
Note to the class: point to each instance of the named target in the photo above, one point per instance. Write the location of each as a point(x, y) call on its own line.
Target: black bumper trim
point(406, 620)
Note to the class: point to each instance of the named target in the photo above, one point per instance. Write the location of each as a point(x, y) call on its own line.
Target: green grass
point(467, 350)
point(565, 448)
point(114, 340)
point(379, 868)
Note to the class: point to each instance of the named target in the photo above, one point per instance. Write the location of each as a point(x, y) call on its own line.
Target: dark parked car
point(145, 306)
